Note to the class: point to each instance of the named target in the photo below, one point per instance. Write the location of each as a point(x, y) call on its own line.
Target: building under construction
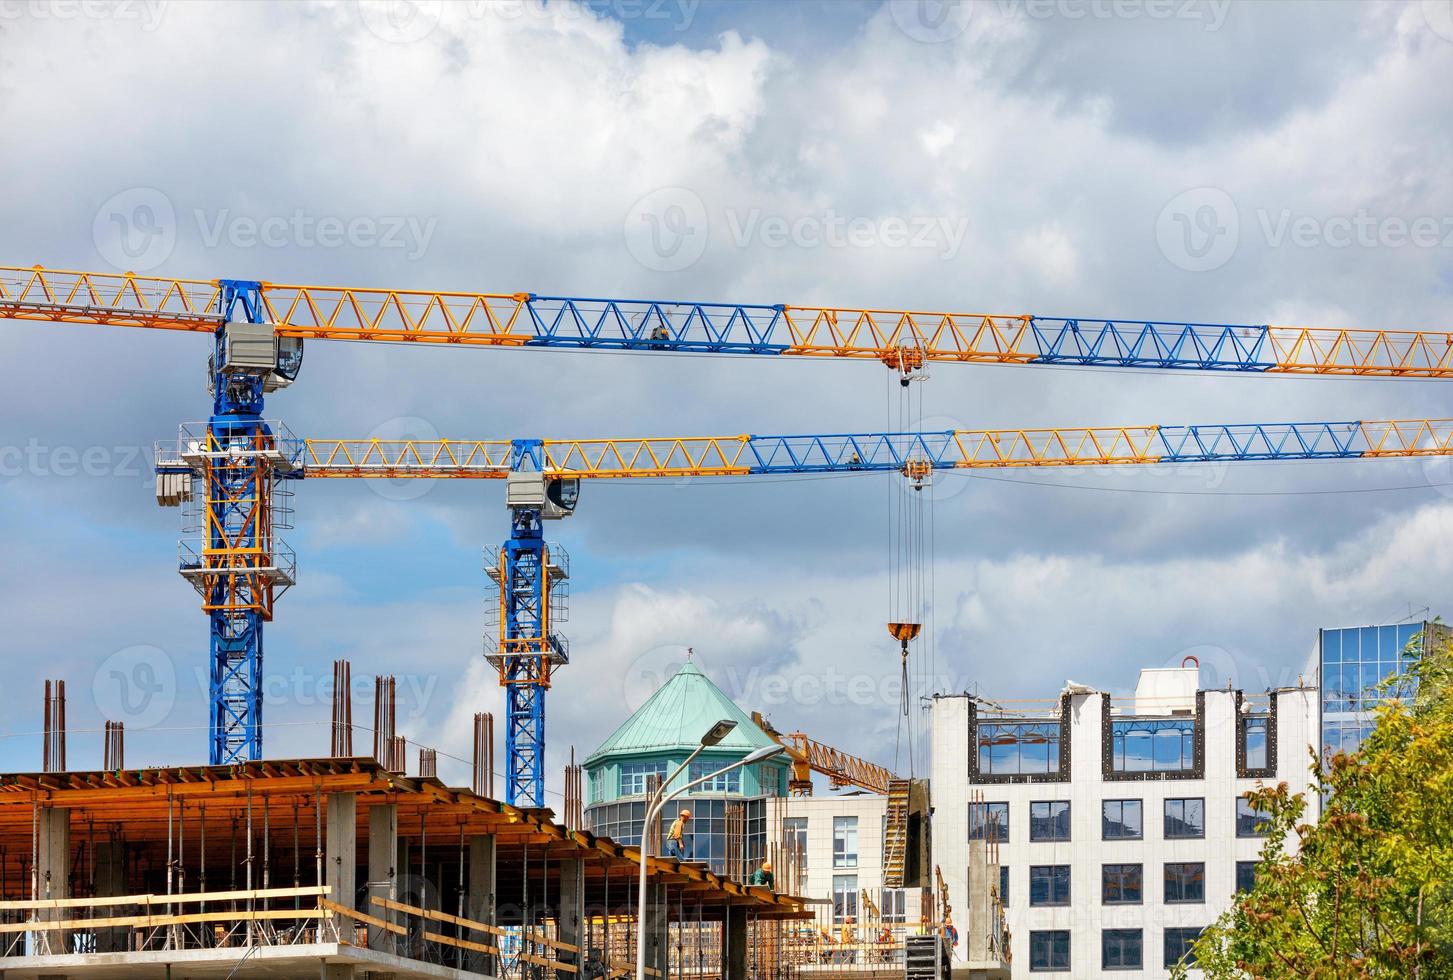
point(340, 867)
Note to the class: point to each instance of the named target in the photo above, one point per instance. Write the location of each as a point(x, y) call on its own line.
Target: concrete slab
point(306, 962)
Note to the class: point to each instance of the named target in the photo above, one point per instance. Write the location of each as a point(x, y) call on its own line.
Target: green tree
point(1366, 892)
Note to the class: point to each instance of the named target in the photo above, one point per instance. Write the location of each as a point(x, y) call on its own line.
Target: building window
point(989, 821)
point(844, 898)
point(1120, 949)
point(844, 842)
point(1178, 943)
point(1120, 884)
point(634, 775)
point(892, 903)
point(1185, 883)
point(621, 821)
point(1254, 730)
point(1049, 821)
point(1049, 950)
point(1122, 820)
point(597, 785)
point(727, 782)
point(1003, 884)
point(1185, 819)
point(794, 849)
point(1049, 884)
point(1250, 822)
point(1018, 747)
point(1245, 876)
point(1153, 745)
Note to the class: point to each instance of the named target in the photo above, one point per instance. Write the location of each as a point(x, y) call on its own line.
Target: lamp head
point(765, 752)
point(718, 732)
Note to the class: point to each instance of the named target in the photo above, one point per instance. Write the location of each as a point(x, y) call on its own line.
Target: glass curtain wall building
point(1352, 663)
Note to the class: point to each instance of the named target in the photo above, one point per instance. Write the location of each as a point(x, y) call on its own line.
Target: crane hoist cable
point(906, 559)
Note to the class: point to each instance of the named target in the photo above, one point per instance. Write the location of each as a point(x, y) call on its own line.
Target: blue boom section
point(1238, 443)
point(773, 329)
point(951, 449)
point(1119, 343)
point(658, 325)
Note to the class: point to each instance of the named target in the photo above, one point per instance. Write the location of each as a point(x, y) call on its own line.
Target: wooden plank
point(434, 937)
point(306, 891)
point(153, 921)
point(630, 968)
point(363, 917)
point(552, 964)
point(540, 937)
point(157, 793)
point(437, 916)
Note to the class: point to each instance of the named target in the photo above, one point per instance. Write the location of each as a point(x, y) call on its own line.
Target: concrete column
point(479, 903)
point(340, 854)
point(53, 852)
point(734, 943)
point(572, 909)
point(974, 922)
point(336, 971)
point(111, 882)
point(657, 928)
point(383, 848)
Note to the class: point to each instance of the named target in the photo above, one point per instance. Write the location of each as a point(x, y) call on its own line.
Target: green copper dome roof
point(675, 718)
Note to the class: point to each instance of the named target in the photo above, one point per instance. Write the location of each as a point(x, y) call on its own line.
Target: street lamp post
point(660, 798)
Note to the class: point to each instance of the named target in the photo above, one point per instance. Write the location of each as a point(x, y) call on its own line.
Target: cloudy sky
point(1195, 161)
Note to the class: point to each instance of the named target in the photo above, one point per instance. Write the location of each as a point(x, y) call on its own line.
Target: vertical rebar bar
point(342, 741)
point(483, 772)
point(53, 749)
point(114, 751)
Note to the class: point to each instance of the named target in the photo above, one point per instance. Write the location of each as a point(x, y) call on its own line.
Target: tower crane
point(543, 476)
point(232, 469)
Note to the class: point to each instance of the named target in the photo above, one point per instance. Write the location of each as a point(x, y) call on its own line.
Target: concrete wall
point(1086, 852)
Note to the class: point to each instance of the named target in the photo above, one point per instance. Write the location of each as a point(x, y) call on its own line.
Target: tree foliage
point(1366, 892)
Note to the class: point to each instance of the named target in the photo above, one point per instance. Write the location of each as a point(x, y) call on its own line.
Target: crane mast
point(531, 579)
point(237, 563)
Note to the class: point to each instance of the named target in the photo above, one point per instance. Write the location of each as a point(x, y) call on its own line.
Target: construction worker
point(677, 842)
point(763, 876)
point(847, 936)
point(950, 933)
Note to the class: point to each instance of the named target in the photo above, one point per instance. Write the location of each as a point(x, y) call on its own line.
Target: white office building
point(1121, 828)
point(840, 840)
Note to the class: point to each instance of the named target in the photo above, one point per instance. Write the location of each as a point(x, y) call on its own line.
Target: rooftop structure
point(729, 815)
